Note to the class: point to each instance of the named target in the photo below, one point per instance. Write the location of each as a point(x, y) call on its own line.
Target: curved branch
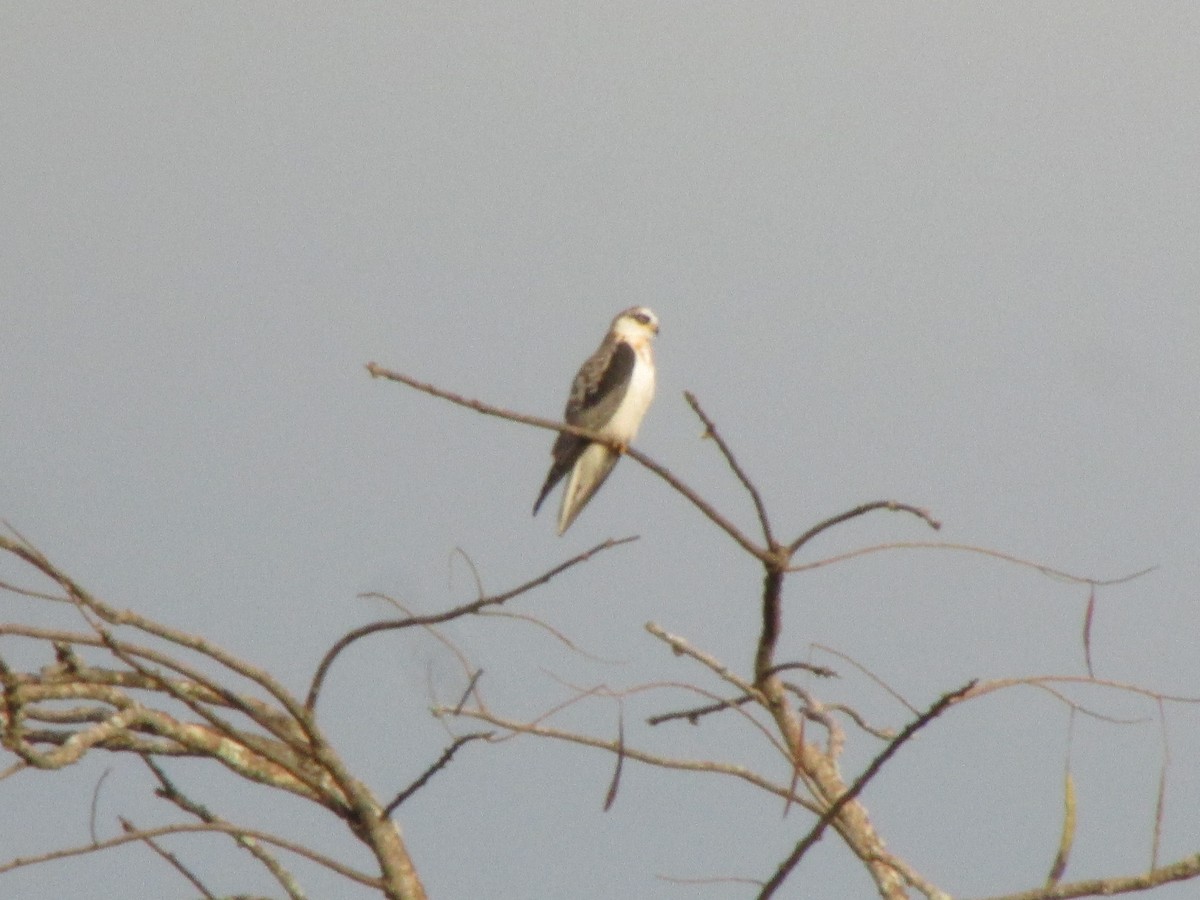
point(1042, 681)
point(84, 600)
point(972, 548)
point(437, 618)
point(865, 508)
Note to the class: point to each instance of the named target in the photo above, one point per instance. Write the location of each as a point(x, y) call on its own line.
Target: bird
point(610, 395)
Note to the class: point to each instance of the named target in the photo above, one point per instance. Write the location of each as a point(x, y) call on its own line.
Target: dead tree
point(122, 683)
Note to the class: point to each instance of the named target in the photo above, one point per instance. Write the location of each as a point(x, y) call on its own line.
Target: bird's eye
point(642, 317)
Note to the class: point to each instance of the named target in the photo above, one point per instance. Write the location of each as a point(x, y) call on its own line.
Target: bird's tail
point(587, 475)
point(555, 475)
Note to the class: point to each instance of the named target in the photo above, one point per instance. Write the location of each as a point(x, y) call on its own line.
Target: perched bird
point(610, 396)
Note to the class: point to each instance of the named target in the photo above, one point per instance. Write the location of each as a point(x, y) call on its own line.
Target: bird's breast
point(624, 424)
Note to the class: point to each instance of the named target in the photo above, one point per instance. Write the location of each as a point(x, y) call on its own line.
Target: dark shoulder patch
point(615, 380)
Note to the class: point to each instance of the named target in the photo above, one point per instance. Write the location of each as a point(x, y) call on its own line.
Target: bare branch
point(687, 765)
point(168, 791)
point(605, 691)
point(1066, 841)
point(811, 668)
point(772, 623)
point(862, 510)
point(549, 629)
point(470, 688)
point(442, 762)
point(710, 431)
point(611, 797)
point(205, 828)
point(683, 648)
point(871, 675)
point(296, 758)
point(971, 548)
point(941, 705)
point(692, 716)
point(33, 595)
point(884, 734)
point(1181, 870)
point(85, 601)
point(1160, 800)
point(457, 612)
point(96, 802)
point(171, 859)
point(1042, 681)
point(1089, 616)
point(662, 472)
point(460, 552)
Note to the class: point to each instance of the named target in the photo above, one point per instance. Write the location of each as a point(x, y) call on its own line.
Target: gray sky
point(940, 253)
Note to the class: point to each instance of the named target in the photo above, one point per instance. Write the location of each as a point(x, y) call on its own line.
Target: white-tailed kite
point(610, 395)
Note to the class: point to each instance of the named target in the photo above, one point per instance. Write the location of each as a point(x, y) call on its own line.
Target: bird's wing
point(601, 385)
point(596, 393)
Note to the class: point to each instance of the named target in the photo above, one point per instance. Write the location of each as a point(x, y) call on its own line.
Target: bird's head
point(638, 323)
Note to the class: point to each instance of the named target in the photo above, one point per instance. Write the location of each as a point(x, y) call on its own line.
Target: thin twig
point(970, 548)
point(203, 828)
point(553, 632)
point(604, 690)
point(871, 675)
point(171, 859)
point(459, 551)
point(1089, 616)
point(686, 765)
point(96, 803)
point(169, 792)
point(865, 508)
point(710, 431)
point(682, 647)
point(1066, 839)
point(475, 676)
point(811, 668)
point(1160, 801)
point(33, 595)
point(694, 714)
point(1042, 681)
point(611, 797)
point(884, 734)
point(442, 762)
point(1180, 870)
point(437, 618)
